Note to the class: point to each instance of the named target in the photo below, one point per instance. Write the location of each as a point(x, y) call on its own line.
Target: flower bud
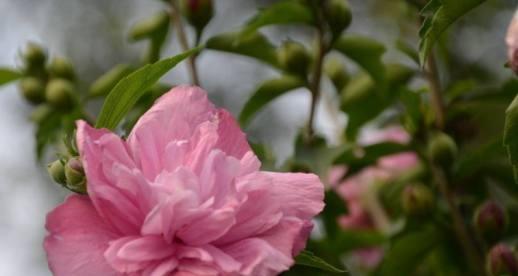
point(338, 14)
point(105, 83)
point(57, 172)
point(40, 113)
point(197, 12)
point(442, 149)
point(150, 26)
point(501, 260)
point(511, 40)
point(59, 93)
point(34, 55)
point(417, 200)
point(491, 220)
point(294, 58)
point(74, 173)
point(60, 67)
point(336, 72)
point(32, 89)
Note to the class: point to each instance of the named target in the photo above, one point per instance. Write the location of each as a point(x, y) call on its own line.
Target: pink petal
point(77, 239)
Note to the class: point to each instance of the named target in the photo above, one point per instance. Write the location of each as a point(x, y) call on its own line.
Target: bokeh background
point(93, 35)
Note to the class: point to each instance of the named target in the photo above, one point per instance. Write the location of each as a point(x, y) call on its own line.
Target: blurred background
point(93, 35)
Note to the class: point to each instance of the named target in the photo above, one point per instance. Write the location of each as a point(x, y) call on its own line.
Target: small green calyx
point(32, 89)
point(417, 200)
point(338, 15)
point(197, 12)
point(294, 58)
point(75, 175)
point(59, 93)
point(34, 55)
point(60, 67)
point(56, 171)
point(442, 150)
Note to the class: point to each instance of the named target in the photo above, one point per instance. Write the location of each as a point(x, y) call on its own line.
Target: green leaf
point(364, 51)
point(348, 240)
point(307, 258)
point(511, 134)
point(440, 14)
point(408, 250)
point(254, 45)
point(8, 75)
point(408, 50)
point(129, 89)
point(284, 12)
point(265, 93)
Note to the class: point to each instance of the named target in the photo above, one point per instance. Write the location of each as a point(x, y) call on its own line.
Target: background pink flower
point(511, 40)
point(182, 196)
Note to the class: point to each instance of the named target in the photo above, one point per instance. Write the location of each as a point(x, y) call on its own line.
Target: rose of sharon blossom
point(511, 40)
point(183, 196)
point(356, 188)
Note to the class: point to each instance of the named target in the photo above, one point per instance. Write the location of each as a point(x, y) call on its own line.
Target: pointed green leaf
point(307, 258)
point(366, 52)
point(129, 89)
point(511, 134)
point(254, 45)
point(440, 15)
point(284, 12)
point(265, 93)
point(8, 75)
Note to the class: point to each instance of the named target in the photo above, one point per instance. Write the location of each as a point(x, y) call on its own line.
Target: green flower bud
point(105, 83)
point(197, 12)
point(417, 200)
point(442, 149)
point(59, 93)
point(32, 89)
point(57, 172)
point(34, 55)
point(338, 15)
point(501, 260)
point(40, 113)
point(75, 175)
point(334, 69)
point(60, 67)
point(491, 220)
point(149, 27)
point(294, 58)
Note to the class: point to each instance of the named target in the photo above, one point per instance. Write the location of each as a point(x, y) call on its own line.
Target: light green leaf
point(307, 258)
point(265, 93)
point(284, 12)
point(440, 14)
point(364, 51)
point(129, 89)
point(8, 75)
point(511, 134)
point(254, 45)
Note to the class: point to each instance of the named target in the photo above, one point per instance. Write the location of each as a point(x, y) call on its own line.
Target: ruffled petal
point(77, 239)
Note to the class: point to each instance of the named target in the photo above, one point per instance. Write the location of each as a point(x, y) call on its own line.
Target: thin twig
point(178, 24)
point(470, 250)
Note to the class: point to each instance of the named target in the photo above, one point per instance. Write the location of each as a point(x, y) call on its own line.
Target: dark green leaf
point(511, 134)
point(364, 51)
point(8, 75)
point(254, 45)
point(129, 89)
point(348, 240)
point(284, 12)
point(307, 258)
point(440, 14)
point(265, 93)
point(408, 250)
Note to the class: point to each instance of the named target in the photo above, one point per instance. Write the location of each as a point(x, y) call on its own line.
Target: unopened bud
point(502, 260)
point(56, 171)
point(34, 55)
point(511, 40)
point(150, 26)
point(417, 200)
point(105, 83)
point(197, 12)
point(491, 220)
point(60, 67)
point(442, 149)
point(294, 58)
point(336, 72)
point(32, 89)
point(59, 93)
point(338, 14)
point(74, 172)
point(40, 113)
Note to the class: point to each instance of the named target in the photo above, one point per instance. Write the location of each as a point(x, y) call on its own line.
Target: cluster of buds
point(69, 173)
point(52, 84)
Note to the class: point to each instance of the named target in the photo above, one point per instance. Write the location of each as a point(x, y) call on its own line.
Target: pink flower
point(511, 40)
point(183, 195)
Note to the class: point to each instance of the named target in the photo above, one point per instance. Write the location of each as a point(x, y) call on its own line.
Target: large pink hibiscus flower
point(183, 195)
